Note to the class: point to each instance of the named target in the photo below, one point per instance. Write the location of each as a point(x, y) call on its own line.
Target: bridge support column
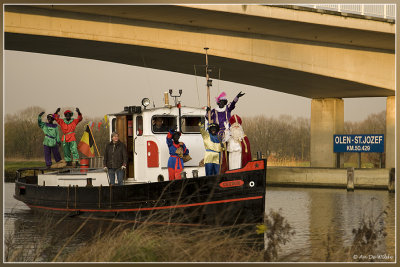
point(327, 119)
point(390, 132)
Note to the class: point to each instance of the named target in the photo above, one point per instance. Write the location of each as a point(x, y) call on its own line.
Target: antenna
point(209, 84)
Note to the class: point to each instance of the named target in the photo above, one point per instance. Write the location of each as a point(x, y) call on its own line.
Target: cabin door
point(124, 129)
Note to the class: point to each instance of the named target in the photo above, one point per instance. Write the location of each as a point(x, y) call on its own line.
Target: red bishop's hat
point(235, 118)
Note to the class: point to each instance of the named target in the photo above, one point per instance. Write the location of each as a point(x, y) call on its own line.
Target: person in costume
point(68, 125)
point(238, 145)
point(213, 148)
point(222, 113)
point(51, 139)
point(176, 151)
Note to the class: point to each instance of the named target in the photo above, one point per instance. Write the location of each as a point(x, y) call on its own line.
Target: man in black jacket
point(115, 159)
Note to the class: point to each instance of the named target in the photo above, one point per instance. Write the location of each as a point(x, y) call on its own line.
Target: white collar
point(220, 109)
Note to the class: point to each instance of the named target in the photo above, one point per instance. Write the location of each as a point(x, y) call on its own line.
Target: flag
point(86, 144)
point(98, 126)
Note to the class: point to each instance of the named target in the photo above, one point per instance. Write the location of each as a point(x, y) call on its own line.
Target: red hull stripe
point(153, 208)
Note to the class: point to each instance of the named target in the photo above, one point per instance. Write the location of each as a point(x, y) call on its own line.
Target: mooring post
point(391, 183)
point(89, 182)
point(195, 173)
point(350, 179)
point(183, 175)
point(259, 155)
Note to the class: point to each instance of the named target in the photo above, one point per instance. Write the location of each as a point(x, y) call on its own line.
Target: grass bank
point(11, 166)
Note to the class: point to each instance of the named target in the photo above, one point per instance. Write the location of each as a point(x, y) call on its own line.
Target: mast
point(209, 83)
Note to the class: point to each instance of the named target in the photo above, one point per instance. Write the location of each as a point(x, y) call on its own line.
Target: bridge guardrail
point(387, 11)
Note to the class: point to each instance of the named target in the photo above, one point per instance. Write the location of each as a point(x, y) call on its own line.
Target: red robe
point(246, 155)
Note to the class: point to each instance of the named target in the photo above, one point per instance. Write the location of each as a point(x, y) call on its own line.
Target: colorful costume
point(175, 161)
point(51, 141)
point(238, 145)
point(222, 115)
point(68, 139)
point(213, 151)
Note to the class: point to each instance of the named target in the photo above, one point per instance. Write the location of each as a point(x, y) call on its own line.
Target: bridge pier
point(390, 132)
point(327, 119)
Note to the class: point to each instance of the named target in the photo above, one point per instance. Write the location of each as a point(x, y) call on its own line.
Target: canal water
point(323, 220)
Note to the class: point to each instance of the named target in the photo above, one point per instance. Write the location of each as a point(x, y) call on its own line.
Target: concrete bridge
point(326, 57)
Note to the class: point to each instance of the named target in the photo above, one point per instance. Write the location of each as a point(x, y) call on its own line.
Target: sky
point(100, 88)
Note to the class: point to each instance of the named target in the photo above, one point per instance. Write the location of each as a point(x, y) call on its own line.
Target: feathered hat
point(222, 96)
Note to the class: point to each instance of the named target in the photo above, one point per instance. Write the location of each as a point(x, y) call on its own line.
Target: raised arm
point(169, 138)
point(40, 123)
point(232, 105)
point(203, 132)
point(79, 116)
point(57, 117)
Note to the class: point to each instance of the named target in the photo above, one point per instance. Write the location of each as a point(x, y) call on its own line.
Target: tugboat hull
point(236, 197)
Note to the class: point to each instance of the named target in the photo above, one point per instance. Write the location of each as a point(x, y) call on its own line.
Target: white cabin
point(148, 152)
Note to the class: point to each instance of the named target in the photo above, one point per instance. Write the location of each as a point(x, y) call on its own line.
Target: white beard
point(237, 132)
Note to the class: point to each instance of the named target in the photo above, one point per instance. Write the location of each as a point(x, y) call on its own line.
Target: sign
point(231, 183)
point(358, 143)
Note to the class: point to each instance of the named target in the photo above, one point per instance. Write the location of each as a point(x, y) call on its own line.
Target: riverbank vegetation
point(101, 240)
point(93, 240)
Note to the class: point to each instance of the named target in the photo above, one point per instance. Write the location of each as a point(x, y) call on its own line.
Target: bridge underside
point(244, 72)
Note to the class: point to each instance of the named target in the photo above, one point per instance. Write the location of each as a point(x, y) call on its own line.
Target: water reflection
point(314, 214)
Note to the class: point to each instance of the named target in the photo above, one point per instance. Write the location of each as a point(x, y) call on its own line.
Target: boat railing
point(35, 171)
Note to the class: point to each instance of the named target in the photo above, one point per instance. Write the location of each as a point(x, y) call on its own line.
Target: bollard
point(350, 179)
point(259, 155)
point(195, 173)
point(391, 184)
point(89, 182)
point(183, 175)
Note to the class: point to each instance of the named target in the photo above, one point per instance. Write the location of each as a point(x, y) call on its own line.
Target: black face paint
point(68, 116)
point(50, 119)
point(175, 137)
point(222, 103)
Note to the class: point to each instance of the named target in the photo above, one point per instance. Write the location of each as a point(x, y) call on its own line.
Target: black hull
point(236, 197)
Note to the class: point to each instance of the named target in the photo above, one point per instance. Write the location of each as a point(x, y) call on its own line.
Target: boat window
point(162, 123)
point(139, 125)
point(190, 124)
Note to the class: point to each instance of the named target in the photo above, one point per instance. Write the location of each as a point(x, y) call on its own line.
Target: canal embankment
point(11, 167)
point(350, 178)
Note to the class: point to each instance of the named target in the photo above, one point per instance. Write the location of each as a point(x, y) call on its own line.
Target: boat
point(230, 198)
